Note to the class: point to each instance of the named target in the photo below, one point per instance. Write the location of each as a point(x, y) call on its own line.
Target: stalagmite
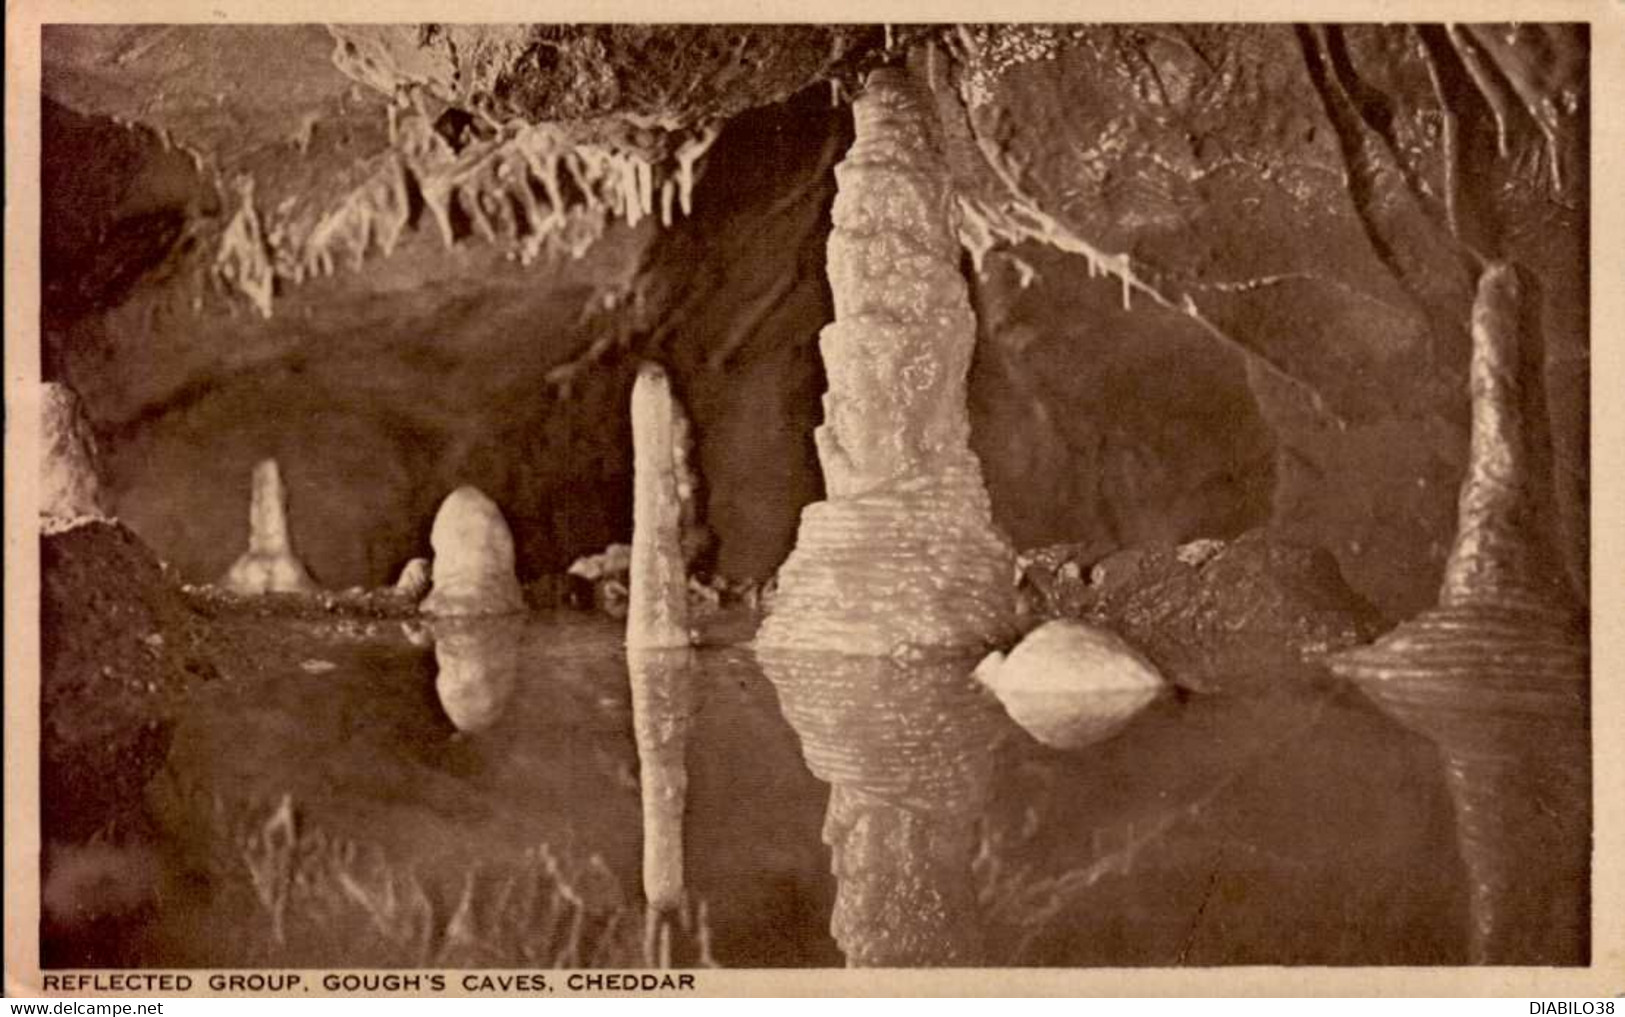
point(269, 564)
point(70, 487)
point(473, 559)
point(657, 614)
point(1497, 672)
point(1070, 684)
point(415, 579)
point(662, 714)
point(478, 663)
point(903, 557)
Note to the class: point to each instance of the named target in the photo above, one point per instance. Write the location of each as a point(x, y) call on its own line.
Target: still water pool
point(471, 795)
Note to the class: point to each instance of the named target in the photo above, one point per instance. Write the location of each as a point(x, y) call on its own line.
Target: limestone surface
point(473, 558)
point(269, 565)
point(70, 488)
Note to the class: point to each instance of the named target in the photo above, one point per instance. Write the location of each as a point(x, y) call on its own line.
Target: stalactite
point(506, 186)
point(473, 559)
point(903, 555)
point(243, 260)
point(269, 565)
point(1497, 673)
point(70, 484)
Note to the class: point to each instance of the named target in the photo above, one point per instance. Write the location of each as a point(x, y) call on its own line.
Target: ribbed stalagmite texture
point(662, 716)
point(903, 555)
point(269, 565)
point(657, 608)
point(1497, 673)
point(70, 486)
point(907, 748)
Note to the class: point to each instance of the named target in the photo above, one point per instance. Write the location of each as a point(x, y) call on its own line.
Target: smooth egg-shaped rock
point(1070, 684)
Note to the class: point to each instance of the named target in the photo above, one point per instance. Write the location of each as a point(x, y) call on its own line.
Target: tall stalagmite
point(902, 557)
point(269, 565)
point(1497, 673)
point(657, 608)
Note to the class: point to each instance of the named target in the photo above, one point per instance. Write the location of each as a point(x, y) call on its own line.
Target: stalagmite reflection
point(478, 665)
point(907, 750)
point(1496, 674)
point(662, 716)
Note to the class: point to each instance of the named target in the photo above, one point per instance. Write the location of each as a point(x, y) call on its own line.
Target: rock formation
point(415, 579)
point(473, 558)
point(1213, 616)
point(1497, 672)
point(269, 564)
point(478, 664)
point(662, 714)
point(907, 520)
point(70, 487)
point(1069, 684)
point(657, 612)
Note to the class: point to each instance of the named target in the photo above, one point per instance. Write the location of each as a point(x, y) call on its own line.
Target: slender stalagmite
point(269, 565)
point(473, 571)
point(1496, 674)
point(657, 611)
point(902, 558)
point(658, 657)
point(70, 487)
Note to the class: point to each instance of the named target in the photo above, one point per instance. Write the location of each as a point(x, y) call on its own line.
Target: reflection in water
point(478, 661)
point(907, 749)
point(662, 718)
point(1496, 673)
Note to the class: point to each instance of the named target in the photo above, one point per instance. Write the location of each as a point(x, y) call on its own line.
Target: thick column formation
point(903, 556)
point(269, 565)
point(70, 487)
point(473, 571)
point(1497, 673)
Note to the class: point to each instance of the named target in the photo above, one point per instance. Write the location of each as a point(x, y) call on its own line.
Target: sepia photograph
point(638, 498)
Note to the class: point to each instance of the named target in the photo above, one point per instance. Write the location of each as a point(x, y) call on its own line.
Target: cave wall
point(1222, 276)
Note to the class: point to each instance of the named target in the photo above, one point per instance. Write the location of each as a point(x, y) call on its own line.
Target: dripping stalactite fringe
point(530, 190)
point(1496, 674)
point(903, 556)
